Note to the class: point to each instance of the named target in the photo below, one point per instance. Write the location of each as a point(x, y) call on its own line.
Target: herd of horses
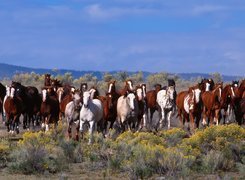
point(124, 109)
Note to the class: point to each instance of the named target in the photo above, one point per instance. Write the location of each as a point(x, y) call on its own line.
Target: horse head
point(139, 93)
point(131, 100)
point(143, 86)
point(47, 79)
point(83, 87)
point(129, 84)
point(111, 86)
point(60, 92)
point(196, 90)
point(171, 92)
point(86, 98)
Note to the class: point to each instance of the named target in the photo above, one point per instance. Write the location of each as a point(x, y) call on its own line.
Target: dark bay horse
point(49, 110)
point(211, 105)
point(227, 96)
point(13, 106)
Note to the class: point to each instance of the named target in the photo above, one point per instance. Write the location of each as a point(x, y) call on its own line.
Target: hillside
point(7, 70)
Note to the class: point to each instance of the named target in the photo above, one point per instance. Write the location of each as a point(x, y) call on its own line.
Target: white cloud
point(96, 11)
point(203, 9)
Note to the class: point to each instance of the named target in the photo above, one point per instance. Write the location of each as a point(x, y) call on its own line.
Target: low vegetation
point(137, 155)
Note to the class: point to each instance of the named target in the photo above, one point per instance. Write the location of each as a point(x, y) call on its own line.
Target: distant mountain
point(7, 70)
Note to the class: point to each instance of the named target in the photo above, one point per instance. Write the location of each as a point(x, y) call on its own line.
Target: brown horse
point(238, 101)
point(227, 96)
point(49, 110)
point(2, 95)
point(142, 114)
point(189, 106)
point(13, 106)
point(127, 88)
point(211, 105)
point(151, 101)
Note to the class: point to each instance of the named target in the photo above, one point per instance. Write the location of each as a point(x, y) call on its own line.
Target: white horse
point(91, 112)
point(127, 110)
point(72, 112)
point(165, 101)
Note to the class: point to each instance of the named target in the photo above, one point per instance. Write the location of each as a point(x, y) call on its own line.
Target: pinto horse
point(189, 106)
point(211, 105)
point(13, 108)
point(2, 95)
point(151, 101)
point(49, 110)
point(165, 101)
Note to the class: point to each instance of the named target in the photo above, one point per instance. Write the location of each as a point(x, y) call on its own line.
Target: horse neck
point(216, 92)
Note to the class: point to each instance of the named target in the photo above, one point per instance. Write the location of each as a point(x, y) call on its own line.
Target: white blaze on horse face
point(207, 87)
point(220, 92)
point(44, 92)
point(197, 93)
point(7, 91)
point(131, 98)
point(12, 92)
point(139, 93)
point(72, 89)
point(110, 88)
point(232, 91)
point(130, 85)
point(144, 91)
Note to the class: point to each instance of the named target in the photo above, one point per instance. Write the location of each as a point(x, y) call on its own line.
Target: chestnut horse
point(211, 105)
point(151, 101)
point(189, 106)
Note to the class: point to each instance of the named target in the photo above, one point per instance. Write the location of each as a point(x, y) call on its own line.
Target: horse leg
point(69, 130)
point(169, 118)
point(81, 127)
point(204, 117)
point(192, 121)
point(16, 124)
point(91, 129)
point(47, 120)
point(162, 118)
point(216, 116)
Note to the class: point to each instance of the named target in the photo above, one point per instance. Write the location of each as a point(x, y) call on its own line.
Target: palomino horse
point(165, 101)
point(151, 101)
point(189, 108)
point(91, 112)
point(211, 104)
point(72, 112)
point(49, 110)
point(13, 109)
point(127, 111)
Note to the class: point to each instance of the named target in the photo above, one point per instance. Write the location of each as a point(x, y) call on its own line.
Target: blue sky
point(134, 35)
